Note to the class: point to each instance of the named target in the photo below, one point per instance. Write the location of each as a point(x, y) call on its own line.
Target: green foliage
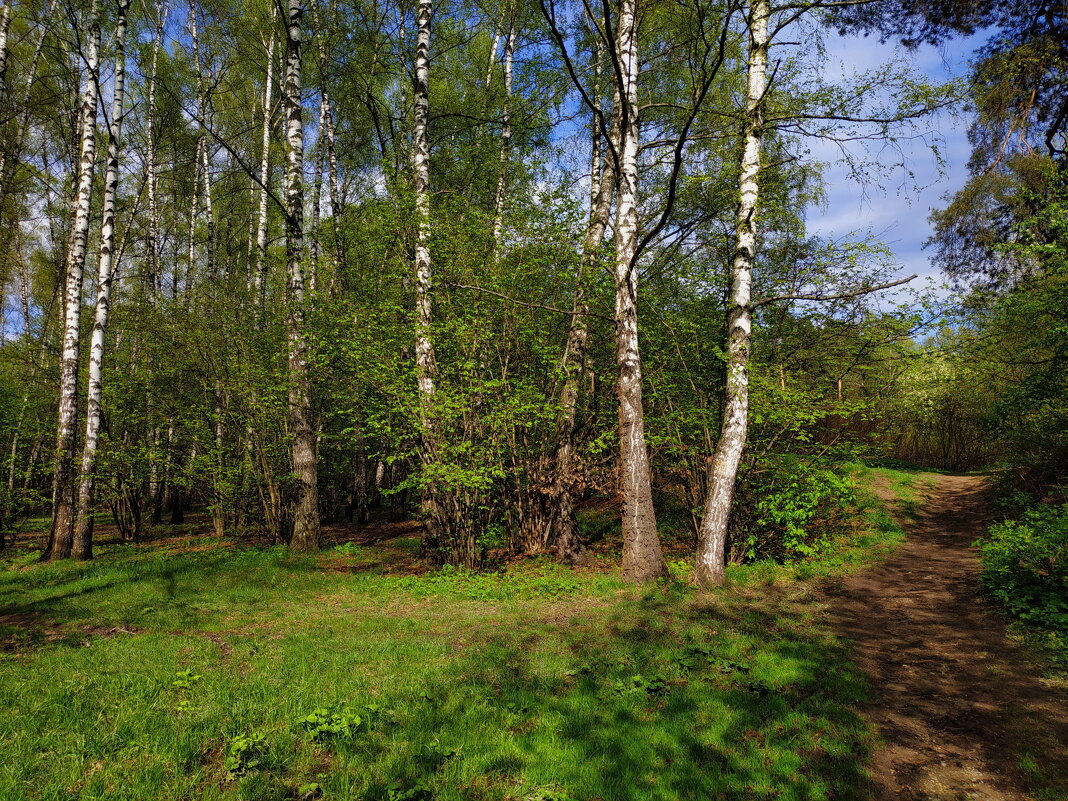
point(540, 581)
point(323, 725)
point(1025, 567)
point(790, 509)
point(246, 753)
point(415, 792)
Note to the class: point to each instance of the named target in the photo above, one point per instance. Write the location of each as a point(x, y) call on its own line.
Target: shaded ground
point(960, 712)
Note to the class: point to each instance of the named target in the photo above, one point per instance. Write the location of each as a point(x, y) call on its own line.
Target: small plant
point(694, 656)
point(650, 685)
point(183, 682)
point(415, 792)
point(185, 679)
point(323, 724)
point(730, 666)
point(548, 794)
point(433, 755)
point(245, 754)
point(348, 549)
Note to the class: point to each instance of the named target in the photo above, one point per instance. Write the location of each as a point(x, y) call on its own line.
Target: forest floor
point(188, 667)
point(961, 711)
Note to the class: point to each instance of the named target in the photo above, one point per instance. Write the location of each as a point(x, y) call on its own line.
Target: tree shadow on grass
point(668, 701)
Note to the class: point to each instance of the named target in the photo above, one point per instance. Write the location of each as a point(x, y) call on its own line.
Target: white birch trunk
point(201, 173)
point(5, 24)
point(317, 198)
point(83, 531)
point(306, 529)
point(337, 256)
point(60, 540)
point(260, 264)
point(506, 140)
point(191, 238)
point(642, 557)
point(203, 155)
point(425, 359)
point(154, 279)
point(712, 536)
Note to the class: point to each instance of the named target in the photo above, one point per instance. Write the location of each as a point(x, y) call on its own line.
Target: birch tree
point(153, 277)
point(306, 529)
point(425, 358)
point(259, 261)
point(60, 539)
point(642, 557)
point(712, 536)
point(83, 532)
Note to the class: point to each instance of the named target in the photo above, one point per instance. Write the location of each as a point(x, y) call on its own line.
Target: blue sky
point(896, 213)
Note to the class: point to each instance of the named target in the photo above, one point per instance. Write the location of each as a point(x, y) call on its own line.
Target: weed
point(325, 724)
point(246, 753)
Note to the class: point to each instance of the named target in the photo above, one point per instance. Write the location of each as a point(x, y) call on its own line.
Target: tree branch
point(867, 290)
point(510, 299)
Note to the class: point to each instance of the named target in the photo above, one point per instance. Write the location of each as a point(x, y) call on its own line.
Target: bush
point(1025, 566)
point(789, 510)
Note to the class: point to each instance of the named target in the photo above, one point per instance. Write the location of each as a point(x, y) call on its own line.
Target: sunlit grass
point(535, 683)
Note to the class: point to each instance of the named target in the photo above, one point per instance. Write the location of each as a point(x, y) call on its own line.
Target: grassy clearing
point(195, 669)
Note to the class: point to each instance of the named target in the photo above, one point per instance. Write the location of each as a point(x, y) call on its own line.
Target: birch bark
point(338, 255)
point(5, 24)
point(152, 280)
point(306, 529)
point(712, 536)
point(642, 557)
point(425, 358)
point(60, 539)
point(83, 531)
point(203, 164)
point(259, 265)
point(506, 139)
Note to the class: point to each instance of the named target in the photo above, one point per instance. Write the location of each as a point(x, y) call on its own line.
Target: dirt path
point(960, 712)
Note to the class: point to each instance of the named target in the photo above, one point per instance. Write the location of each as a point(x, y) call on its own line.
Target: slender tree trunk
point(60, 540)
point(260, 263)
point(201, 171)
point(191, 238)
point(83, 531)
point(425, 359)
point(306, 529)
point(712, 537)
point(642, 557)
point(569, 547)
point(218, 507)
point(338, 254)
point(5, 24)
point(317, 195)
point(153, 279)
point(506, 140)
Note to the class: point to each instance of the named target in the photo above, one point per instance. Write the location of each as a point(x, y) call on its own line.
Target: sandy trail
point(955, 703)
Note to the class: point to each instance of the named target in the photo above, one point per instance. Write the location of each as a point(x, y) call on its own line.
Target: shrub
point(789, 509)
point(1025, 566)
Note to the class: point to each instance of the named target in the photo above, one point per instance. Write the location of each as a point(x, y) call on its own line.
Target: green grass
point(163, 672)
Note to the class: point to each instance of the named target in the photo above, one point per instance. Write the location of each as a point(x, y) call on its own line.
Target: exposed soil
point(960, 711)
